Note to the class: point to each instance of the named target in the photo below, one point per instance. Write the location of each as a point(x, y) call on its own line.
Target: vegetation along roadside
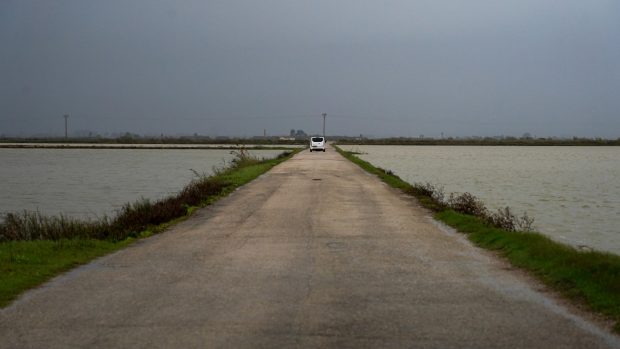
point(589, 278)
point(35, 248)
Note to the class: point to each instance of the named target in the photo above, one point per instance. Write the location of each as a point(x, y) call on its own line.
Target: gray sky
point(382, 68)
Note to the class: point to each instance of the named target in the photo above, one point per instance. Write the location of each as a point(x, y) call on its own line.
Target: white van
point(317, 143)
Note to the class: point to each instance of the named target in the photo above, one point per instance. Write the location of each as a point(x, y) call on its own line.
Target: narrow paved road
point(314, 254)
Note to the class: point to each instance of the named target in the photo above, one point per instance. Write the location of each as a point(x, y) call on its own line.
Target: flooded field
point(90, 183)
point(572, 192)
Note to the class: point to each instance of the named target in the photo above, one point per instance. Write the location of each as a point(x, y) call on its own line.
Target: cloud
point(237, 67)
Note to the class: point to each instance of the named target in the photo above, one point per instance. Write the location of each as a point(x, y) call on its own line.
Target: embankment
point(35, 248)
point(587, 278)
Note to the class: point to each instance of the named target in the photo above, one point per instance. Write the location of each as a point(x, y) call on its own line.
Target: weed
point(243, 158)
point(433, 197)
point(503, 219)
point(35, 226)
point(468, 204)
point(284, 154)
point(525, 223)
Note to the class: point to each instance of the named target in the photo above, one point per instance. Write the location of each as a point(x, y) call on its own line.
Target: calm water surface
point(572, 192)
point(90, 183)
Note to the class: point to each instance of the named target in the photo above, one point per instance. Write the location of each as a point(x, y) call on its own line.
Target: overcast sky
point(380, 68)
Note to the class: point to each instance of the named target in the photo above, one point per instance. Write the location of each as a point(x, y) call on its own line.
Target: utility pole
point(66, 116)
point(324, 115)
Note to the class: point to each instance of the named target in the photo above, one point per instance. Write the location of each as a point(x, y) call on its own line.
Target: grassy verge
point(589, 278)
point(26, 264)
point(35, 248)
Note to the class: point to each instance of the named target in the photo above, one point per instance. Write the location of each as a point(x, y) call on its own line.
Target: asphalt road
point(314, 254)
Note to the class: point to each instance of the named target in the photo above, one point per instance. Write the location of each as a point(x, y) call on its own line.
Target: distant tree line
point(299, 137)
point(481, 141)
point(131, 138)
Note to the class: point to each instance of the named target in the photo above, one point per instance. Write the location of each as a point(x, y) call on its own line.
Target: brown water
point(90, 183)
point(572, 192)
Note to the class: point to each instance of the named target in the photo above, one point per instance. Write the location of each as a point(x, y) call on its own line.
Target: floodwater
point(144, 145)
point(91, 183)
point(572, 192)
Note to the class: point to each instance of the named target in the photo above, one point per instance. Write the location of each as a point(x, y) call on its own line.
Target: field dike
point(34, 248)
point(589, 279)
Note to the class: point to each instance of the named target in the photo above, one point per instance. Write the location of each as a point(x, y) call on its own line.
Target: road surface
point(314, 254)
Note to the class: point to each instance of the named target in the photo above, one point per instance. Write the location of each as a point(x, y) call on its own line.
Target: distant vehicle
point(317, 143)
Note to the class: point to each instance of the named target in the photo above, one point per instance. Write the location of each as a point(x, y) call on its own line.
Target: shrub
point(131, 219)
point(433, 197)
point(243, 158)
point(468, 204)
point(284, 154)
point(430, 190)
point(504, 219)
point(525, 222)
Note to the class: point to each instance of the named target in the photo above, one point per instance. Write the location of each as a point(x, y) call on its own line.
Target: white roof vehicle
point(317, 143)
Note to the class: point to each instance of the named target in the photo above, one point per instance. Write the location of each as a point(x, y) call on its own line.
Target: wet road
point(315, 253)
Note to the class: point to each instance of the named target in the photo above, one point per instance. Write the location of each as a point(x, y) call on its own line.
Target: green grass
point(587, 278)
point(385, 175)
point(28, 263)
